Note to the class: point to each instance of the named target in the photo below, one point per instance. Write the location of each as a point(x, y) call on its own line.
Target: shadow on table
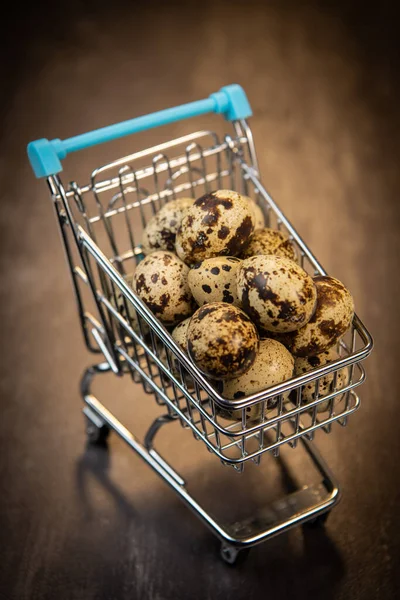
point(95, 462)
point(299, 563)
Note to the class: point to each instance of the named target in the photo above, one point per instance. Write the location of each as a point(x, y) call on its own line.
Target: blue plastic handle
point(45, 156)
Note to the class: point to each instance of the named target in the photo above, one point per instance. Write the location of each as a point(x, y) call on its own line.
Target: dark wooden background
point(84, 523)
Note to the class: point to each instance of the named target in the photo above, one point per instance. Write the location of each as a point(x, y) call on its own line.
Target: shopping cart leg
point(310, 503)
point(97, 430)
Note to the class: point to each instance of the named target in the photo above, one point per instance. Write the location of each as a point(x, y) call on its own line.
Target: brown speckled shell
point(180, 334)
point(218, 224)
point(269, 241)
point(276, 293)
point(307, 364)
point(160, 280)
point(273, 365)
point(259, 219)
point(332, 318)
point(160, 231)
point(214, 280)
point(222, 341)
point(126, 309)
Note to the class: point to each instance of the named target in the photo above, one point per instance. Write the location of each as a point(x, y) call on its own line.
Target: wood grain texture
point(83, 523)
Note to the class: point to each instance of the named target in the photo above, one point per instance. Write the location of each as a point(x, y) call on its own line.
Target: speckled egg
point(126, 309)
point(214, 280)
point(218, 224)
point(273, 365)
point(259, 219)
point(160, 280)
point(269, 241)
point(180, 334)
point(276, 293)
point(332, 317)
point(222, 341)
point(306, 364)
point(160, 231)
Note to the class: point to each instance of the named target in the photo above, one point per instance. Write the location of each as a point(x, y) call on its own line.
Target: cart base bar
point(307, 504)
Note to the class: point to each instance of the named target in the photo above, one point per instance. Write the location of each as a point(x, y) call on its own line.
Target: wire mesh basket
point(102, 222)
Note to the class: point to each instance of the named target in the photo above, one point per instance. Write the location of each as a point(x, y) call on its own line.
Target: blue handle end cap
point(44, 158)
point(232, 102)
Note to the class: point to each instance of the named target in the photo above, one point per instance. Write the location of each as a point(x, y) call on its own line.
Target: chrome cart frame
point(101, 225)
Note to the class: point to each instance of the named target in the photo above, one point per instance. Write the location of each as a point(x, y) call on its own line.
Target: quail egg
point(214, 280)
point(276, 293)
point(180, 336)
point(218, 224)
point(273, 365)
point(127, 310)
point(332, 317)
point(160, 280)
point(259, 219)
point(160, 231)
point(269, 241)
point(306, 364)
point(222, 341)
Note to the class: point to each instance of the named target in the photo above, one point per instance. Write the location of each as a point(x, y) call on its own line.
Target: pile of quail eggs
point(236, 300)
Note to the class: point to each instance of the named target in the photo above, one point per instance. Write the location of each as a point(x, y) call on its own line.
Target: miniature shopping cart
point(101, 224)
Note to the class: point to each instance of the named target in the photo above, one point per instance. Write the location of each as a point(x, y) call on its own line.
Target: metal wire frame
point(308, 503)
point(133, 341)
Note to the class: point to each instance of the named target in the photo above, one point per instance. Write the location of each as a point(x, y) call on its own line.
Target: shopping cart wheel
point(95, 434)
point(233, 556)
point(318, 521)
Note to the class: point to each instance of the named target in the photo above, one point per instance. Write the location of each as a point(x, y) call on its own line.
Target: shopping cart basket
point(101, 224)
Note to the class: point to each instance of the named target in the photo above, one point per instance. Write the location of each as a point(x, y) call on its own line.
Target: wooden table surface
point(94, 523)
